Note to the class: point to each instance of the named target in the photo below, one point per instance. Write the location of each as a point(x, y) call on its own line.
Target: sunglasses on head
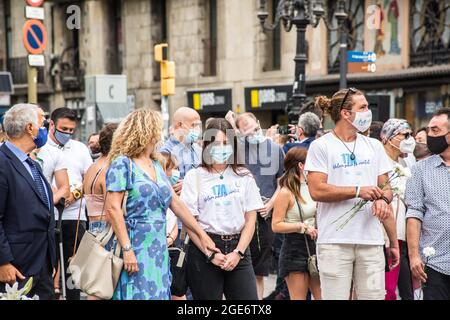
point(353, 91)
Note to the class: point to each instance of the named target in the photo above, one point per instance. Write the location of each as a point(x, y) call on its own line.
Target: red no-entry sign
point(34, 36)
point(35, 3)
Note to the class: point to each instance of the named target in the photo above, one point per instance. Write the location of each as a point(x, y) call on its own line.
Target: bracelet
point(385, 199)
point(358, 190)
point(302, 228)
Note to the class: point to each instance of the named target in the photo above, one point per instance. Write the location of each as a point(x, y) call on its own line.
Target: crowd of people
point(357, 212)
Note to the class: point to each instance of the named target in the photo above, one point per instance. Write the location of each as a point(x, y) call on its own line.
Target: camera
point(284, 130)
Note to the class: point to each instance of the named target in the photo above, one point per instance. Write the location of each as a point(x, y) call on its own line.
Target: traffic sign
point(358, 67)
point(34, 13)
point(5, 100)
point(34, 36)
point(361, 56)
point(35, 3)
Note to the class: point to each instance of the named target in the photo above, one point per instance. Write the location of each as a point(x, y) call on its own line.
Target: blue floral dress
point(146, 206)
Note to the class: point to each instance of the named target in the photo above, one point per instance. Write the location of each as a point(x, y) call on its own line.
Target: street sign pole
point(343, 60)
point(165, 115)
point(34, 37)
point(32, 85)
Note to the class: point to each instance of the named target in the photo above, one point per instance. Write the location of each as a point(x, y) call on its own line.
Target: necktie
point(37, 180)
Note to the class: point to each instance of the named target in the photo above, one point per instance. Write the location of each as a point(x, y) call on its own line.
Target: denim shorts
point(97, 227)
point(294, 254)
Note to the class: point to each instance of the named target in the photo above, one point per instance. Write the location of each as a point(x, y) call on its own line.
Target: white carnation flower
point(429, 252)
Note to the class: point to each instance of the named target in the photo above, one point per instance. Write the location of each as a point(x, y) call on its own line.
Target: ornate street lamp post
point(303, 13)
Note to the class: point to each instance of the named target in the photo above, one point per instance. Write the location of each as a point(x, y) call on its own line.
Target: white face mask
point(407, 145)
point(363, 120)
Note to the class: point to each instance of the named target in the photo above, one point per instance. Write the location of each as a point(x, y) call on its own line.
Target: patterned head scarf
point(393, 127)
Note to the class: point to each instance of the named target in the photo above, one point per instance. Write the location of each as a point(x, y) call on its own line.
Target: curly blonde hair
point(139, 129)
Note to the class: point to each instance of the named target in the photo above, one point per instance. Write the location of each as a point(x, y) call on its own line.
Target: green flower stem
point(360, 204)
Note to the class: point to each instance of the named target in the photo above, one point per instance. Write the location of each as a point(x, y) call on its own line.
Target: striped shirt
point(428, 199)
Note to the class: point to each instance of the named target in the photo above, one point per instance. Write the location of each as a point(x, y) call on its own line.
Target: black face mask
point(437, 145)
point(421, 150)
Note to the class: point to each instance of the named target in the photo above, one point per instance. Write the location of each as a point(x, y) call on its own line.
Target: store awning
point(265, 98)
point(210, 100)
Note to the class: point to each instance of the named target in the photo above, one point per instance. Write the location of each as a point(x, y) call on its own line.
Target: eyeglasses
point(353, 91)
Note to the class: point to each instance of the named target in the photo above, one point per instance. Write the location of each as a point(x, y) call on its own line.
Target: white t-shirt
point(171, 221)
point(329, 155)
point(78, 161)
point(51, 159)
point(220, 204)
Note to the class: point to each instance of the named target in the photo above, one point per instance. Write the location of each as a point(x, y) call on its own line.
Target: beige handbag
point(95, 270)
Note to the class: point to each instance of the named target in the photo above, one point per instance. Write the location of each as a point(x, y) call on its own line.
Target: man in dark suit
point(27, 223)
point(308, 125)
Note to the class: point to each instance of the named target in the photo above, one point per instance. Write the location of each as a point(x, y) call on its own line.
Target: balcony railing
point(19, 70)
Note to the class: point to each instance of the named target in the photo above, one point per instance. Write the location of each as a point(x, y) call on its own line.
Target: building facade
point(223, 59)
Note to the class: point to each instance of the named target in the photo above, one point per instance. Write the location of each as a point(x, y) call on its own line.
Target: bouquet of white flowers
point(349, 215)
point(12, 293)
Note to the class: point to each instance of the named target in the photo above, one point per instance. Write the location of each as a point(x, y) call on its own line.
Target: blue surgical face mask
point(41, 138)
point(62, 137)
point(220, 154)
point(192, 136)
point(174, 177)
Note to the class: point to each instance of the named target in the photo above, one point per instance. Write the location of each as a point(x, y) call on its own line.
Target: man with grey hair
point(308, 125)
point(27, 224)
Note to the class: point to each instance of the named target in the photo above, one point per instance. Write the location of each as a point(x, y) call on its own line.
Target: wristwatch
point(210, 257)
point(76, 194)
point(127, 248)
point(241, 255)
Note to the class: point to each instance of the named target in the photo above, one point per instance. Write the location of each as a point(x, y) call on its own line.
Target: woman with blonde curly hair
point(136, 168)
